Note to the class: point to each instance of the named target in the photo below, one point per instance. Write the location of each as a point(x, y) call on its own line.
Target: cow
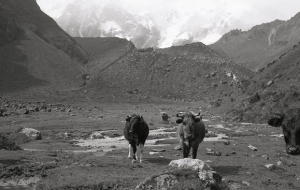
point(290, 124)
point(190, 132)
point(136, 132)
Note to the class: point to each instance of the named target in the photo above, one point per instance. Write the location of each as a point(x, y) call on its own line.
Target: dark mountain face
point(34, 50)
point(191, 72)
point(276, 88)
point(260, 45)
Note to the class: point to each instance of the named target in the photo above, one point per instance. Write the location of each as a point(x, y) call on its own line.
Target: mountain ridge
point(261, 44)
point(35, 52)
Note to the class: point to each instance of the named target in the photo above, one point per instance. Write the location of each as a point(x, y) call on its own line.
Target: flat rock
point(31, 133)
point(178, 147)
point(252, 148)
point(158, 150)
point(184, 173)
point(270, 166)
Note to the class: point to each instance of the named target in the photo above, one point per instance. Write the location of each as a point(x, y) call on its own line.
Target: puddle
point(13, 187)
point(277, 135)
point(219, 137)
point(107, 143)
point(21, 184)
point(100, 141)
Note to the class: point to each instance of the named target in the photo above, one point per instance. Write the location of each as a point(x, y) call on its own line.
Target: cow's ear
point(178, 121)
point(275, 122)
point(128, 118)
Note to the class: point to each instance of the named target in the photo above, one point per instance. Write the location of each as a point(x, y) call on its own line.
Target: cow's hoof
point(141, 161)
point(133, 161)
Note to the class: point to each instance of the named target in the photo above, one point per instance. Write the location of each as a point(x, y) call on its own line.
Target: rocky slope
point(34, 50)
point(274, 89)
point(260, 45)
point(190, 72)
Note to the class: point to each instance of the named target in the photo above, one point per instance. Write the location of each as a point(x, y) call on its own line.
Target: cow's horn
point(195, 114)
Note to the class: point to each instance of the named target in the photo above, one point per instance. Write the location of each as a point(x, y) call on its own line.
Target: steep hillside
point(34, 50)
point(260, 45)
point(104, 51)
point(190, 72)
point(274, 88)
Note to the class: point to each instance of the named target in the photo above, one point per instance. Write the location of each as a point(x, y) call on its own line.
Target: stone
point(254, 98)
point(270, 166)
point(31, 133)
point(153, 153)
point(214, 153)
point(182, 174)
point(279, 163)
point(26, 111)
point(252, 148)
point(246, 183)
point(265, 157)
point(210, 153)
point(217, 153)
point(158, 150)
point(249, 173)
point(178, 147)
point(287, 162)
point(270, 83)
point(188, 163)
point(226, 142)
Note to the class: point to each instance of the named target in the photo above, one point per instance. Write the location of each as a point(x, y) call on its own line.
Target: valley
point(74, 94)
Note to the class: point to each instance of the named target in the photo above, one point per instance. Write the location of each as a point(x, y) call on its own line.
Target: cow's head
point(290, 124)
point(134, 122)
point(188, 121)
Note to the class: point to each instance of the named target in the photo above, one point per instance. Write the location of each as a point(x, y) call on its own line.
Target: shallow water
point(13, 187)
point(107, 143)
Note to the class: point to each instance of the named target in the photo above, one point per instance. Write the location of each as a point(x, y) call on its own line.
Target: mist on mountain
point(161, 24)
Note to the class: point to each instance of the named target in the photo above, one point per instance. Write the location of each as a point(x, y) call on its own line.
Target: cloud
point(237, 14)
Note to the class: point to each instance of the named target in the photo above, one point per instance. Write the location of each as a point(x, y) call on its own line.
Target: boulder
point(7, 144)
point(184, 173)
point(254, 98)
point(270, 83)
point(31, 133)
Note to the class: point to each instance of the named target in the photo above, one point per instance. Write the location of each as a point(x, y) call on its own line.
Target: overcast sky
point(250, 12)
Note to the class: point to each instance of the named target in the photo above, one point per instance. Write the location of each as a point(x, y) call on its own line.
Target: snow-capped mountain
point(103, 19)
point(80, 19)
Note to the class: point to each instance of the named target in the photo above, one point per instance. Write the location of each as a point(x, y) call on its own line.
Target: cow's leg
point(130, 151)
point(194, 150)
point(141, 150)
point(185, 150)
point(134, 153)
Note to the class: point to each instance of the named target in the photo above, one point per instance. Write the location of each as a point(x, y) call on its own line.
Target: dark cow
point(190, 132)
point(290, 124)
point(136, 132)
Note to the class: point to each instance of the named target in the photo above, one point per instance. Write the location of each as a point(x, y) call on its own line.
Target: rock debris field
point(81, 146)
